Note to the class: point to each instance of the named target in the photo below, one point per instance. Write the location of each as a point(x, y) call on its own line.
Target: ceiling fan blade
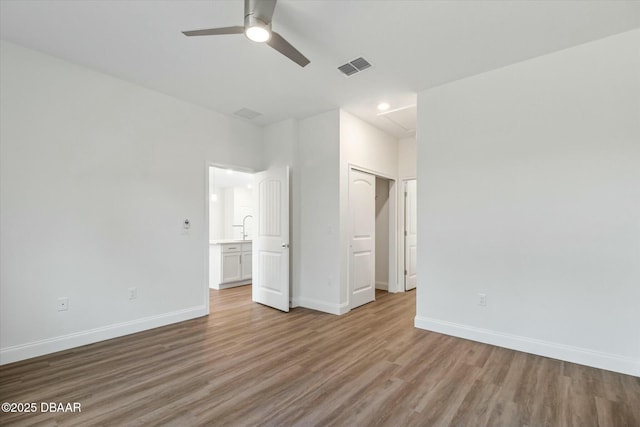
point(284, 47)
point(262, 9)
point(215, 31)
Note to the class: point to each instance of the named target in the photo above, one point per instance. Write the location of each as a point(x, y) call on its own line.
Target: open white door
point(362, 257)
point(271, 238)
point(410, 235)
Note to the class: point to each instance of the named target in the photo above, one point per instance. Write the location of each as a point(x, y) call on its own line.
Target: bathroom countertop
point(222, 242)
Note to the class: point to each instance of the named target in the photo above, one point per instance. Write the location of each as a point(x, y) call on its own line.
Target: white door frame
point(400, 234)
point(207, 196)
point(394, 285)
point(410, 243)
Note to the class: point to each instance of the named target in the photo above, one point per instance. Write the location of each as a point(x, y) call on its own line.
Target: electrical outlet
point(63, 304)
point(133, 293)
point(482, 300)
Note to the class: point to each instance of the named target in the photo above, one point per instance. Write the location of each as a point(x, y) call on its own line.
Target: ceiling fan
point(257, 27)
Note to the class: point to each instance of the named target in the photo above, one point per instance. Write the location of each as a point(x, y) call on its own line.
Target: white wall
point(280, 143)
point(281, 149)
point(242, 206)
point(226, 200)
point(407, 162)
point(97, 176)
point(318, 241)
point(407, 157)
point(372, 150)
point(226, 214)
point(529, 191)
point(320, 149)
point(382, 233)
point(366, 146)
point(215, 210)
point(233, 201)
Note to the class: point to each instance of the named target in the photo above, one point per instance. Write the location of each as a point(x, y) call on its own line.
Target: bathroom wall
point(226, 212)
point(242, 206)
point(229, 204)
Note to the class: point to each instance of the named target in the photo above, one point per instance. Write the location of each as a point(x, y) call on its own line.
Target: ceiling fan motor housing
point(256, 13)
point(253, 18)
point(252, 21)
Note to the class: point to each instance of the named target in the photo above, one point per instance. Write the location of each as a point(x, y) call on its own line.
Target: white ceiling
point(413, 45)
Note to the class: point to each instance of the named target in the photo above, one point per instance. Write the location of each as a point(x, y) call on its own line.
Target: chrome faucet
point(244, 225)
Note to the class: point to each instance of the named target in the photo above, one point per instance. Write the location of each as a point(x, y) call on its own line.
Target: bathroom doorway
point(249, 227)
point(230, 227)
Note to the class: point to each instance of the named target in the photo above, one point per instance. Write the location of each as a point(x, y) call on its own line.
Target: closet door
point(362, 256)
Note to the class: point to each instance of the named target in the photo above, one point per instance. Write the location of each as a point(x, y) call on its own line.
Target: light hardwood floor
point(247, 365)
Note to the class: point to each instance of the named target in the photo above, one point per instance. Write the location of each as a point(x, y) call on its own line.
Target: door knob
point(285, 245)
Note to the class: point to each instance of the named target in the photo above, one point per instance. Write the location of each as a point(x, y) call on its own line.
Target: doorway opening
point(248, 226)
point(382, 233)
point(230, 227)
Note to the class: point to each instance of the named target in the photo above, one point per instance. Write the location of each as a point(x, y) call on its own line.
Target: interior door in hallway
point(271, 239)
point(362, 269)
point(410, 234)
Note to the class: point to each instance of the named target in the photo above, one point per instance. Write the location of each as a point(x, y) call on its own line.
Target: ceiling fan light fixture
point(258, 32)
point(258, 15)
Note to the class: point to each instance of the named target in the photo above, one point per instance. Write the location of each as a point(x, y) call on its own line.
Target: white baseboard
point(294, 302)
point(65, 342)
point(220, 286)
point(318, 305)
point(234, 284)
point(582, 356)
point(382, 285)
point(344, 308)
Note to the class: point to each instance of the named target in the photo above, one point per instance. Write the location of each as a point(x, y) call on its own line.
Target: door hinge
point(405, 272)
point(405, 232)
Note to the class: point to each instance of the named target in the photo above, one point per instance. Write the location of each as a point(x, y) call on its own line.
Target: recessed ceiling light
point(383, 106)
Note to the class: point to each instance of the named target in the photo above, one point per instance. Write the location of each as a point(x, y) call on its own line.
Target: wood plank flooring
point(249, 365)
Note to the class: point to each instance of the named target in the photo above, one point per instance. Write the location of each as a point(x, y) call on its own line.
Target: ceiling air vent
point(348, 69)
point(246, 113)
point(355, 66)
